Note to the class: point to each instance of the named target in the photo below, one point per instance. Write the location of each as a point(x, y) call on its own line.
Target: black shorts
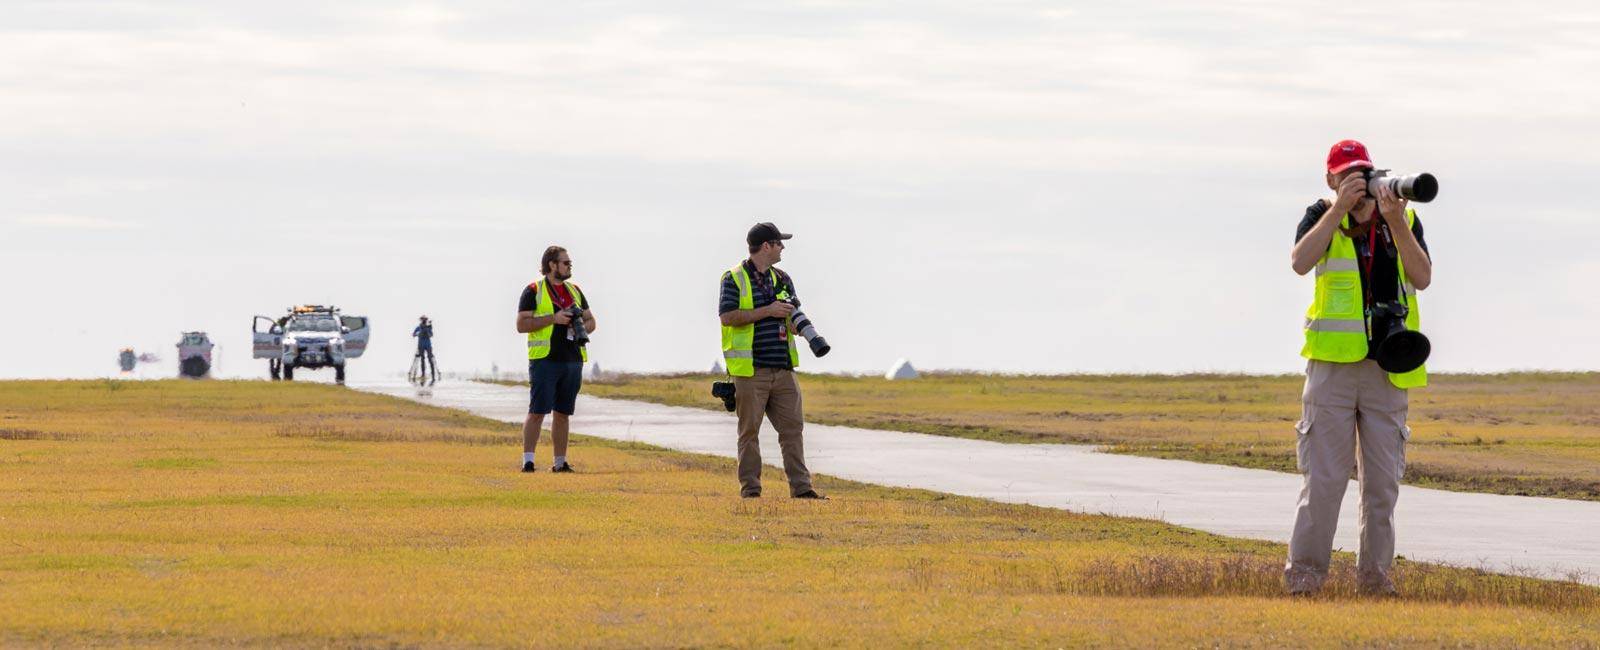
point(554, 385)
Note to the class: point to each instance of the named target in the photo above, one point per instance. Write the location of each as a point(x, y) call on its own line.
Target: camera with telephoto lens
point(1398, 349)
point(575, 330)
point(724, 390)
point(802, 324)
point(1412, 187)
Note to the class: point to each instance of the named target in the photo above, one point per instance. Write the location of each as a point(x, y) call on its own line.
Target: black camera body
point(724, 390)
point(1421, 188)
point(576, 332)
point(1398, 349)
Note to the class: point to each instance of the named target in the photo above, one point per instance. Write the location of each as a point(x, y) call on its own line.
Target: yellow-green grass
point(1521, 433)
point(254, 513)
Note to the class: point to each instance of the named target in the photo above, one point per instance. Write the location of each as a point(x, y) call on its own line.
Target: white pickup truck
point(309, 336)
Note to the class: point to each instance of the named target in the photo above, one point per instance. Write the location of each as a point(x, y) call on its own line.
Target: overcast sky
point(1016, 186)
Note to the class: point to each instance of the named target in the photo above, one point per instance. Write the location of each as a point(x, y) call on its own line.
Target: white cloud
point(1087, 176)
point(73, 222)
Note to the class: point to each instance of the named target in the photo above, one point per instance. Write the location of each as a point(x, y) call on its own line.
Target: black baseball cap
point(764, 232)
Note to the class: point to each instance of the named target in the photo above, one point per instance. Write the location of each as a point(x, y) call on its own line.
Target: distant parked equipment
point(309, 336)
point(901, 370)
point(194, 355)
point(127, 360)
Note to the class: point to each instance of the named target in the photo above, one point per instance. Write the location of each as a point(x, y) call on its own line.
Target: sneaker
point(810, 494)
point(564, 467)
point(529, 468)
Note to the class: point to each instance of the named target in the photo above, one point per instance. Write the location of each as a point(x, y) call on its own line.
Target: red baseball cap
point(1347, 154)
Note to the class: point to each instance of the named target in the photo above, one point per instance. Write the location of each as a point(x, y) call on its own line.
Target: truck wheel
point(288, 372)
point(338, 374)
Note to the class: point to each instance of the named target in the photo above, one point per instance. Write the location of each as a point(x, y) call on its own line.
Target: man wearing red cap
point(1366, 250)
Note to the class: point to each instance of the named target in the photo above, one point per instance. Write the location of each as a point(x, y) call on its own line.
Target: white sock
point(527, 457)
point(561, 460)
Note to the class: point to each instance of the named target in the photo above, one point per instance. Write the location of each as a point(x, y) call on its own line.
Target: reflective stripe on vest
point(539, 339)
point(1335, 324)
point(738, 343)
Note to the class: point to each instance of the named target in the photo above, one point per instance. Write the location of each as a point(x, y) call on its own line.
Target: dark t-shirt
point(771, 346)
point(561, 348)
point(1385, 281)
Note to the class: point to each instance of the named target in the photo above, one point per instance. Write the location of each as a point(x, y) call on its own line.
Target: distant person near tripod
point(555, 315)
point(423, 367)
point(756, 308)
point(1363, 351)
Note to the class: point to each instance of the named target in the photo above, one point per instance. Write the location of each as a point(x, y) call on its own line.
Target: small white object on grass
point(901, 370)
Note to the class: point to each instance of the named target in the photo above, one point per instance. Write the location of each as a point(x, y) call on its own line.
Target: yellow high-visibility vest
point(1336, 325)
point(539, 339)
point(738, 343)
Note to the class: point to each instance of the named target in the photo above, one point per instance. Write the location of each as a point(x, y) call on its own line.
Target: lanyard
point(1372, 257)
point(768, 281)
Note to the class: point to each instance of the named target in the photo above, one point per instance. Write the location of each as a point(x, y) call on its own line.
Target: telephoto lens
point(802, 324)
point(1399, 349)
point(1421, 188)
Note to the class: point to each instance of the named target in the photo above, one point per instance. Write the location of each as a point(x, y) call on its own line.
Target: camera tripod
point(424, 370)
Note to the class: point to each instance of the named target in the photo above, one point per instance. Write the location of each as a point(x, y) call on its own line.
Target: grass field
point(251, 513)
point(1526, 433)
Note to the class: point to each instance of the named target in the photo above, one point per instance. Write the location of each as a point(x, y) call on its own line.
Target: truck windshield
point(313, 325)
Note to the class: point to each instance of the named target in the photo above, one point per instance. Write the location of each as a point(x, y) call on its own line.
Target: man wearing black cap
point(759, 350)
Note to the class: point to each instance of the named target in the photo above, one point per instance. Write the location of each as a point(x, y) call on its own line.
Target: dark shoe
point(1376, 585)
point(810, 494)
point(564, 467)
point(529, 468)
point(749, 495)
point(1302, 584)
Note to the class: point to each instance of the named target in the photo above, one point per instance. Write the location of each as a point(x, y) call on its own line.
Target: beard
point(562, 275)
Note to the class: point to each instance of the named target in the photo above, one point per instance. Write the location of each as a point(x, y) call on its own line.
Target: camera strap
point(1374, 231)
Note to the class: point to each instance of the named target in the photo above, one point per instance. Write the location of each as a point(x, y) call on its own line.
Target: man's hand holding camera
point(1351, 191)
point(778, 309)
point(1393, 208)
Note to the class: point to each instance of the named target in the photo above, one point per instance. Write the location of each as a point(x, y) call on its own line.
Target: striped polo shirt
point(771, 349)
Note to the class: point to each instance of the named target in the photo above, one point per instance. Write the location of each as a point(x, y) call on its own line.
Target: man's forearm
point(1309, 250)
point(740, 317)
point(527, 324)
point(1419, 267)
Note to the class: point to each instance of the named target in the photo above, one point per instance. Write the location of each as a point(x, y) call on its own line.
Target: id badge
point(783, 331)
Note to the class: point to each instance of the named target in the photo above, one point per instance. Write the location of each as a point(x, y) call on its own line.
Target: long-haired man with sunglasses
point(555, 354)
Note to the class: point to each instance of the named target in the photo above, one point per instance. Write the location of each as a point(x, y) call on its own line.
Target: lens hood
point(1403, 351)
point(820, 347)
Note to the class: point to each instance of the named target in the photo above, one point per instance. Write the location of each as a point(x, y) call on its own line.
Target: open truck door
point(356, 332)
point(266, 338)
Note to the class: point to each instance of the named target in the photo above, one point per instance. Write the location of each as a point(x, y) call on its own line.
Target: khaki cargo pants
point(773, 393)
point(1351, 417)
